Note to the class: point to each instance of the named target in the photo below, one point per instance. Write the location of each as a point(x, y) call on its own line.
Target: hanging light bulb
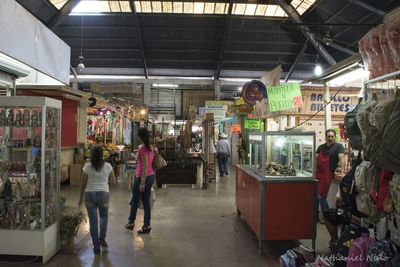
point(318, 70)
point(81, 66)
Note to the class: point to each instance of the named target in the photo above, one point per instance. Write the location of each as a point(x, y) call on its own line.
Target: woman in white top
point(94, 191)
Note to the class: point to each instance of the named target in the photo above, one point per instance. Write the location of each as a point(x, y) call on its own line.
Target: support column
point(82, 120)
point(328, 113)
point(217, 90)
point(146, 94)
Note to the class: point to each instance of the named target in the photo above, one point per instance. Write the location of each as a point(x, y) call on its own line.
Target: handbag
point(158, 162)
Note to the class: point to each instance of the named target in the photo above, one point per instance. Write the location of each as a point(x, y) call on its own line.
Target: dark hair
point(144, 135)
point(96, 157)
point(330, 130)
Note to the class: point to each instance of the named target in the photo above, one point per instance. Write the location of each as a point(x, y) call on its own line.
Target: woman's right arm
point(83, 187)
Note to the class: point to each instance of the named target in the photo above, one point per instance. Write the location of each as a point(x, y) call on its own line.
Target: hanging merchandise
point(362, 116)
point(352, 129)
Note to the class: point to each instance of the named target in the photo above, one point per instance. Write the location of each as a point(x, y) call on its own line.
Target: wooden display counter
point(279, 208)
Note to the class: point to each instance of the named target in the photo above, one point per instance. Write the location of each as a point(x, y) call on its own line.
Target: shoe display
point(129, 226)
point(103, 243)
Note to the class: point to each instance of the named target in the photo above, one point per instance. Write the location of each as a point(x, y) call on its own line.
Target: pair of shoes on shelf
point(129, 226)
point(96, 251)
point(103, 243)
point(144, 230)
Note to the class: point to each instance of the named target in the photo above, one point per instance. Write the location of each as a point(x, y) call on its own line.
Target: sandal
point(144, 230)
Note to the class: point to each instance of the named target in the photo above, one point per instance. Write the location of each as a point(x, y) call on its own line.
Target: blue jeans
point(145, 198)
point(323, 202)
point(222, 163)
point(100, 201)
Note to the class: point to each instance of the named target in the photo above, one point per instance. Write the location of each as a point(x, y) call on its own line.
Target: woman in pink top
point(143, 182)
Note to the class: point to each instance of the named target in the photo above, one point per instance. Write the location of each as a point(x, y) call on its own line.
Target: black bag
point(350, 233)
point(352, 129)
point(348, 190)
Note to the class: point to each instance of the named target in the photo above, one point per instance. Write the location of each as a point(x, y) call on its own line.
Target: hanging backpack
point(358, 251)
point(348, 190)
point(363, 182)
point(363, 119)
point(380, 187)
point(381, 113)
point(352, 129)
point(384, 149)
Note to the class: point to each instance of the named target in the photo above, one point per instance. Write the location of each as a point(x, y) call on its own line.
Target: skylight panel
point(91, 7)
point(167, 7)
point(188, 7)
point(125, 7)
point(238, 9)
point(114, 6)
point(209, 8)
point(58, 3)
point(220, 8)
point(146, 7)
point(178, 7)
point(271, 9)
point(260, 11)
point(156, 6)
point(138, 6)
point(198, 8)
point(250, 9)
point(280, 12)
point(302, 5)
point(296, 3)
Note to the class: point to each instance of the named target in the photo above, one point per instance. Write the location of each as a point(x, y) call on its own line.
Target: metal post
point(328, 113)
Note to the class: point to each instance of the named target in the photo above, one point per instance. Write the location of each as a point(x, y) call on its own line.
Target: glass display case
point(282, 154)
point(29, 175)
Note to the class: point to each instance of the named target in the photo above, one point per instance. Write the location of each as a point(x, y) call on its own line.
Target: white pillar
point(217, 90)
point(82, 120)
point(146, 94)
point(328, 113)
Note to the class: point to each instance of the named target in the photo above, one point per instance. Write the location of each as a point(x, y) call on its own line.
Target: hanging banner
point(253, 91)
point(284, 97)
point(252, 124)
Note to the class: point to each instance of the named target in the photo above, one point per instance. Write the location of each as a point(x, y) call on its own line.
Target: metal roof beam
point(294, 16)
point(224, 38)
point(62, 14)
point(368, 7)
point(299, 55)
point(139, 36)
point(340, 48)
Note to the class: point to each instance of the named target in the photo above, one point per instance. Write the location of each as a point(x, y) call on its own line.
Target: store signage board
point(236, 129)
point(252, 124)
point(219, 108)
point(284, 97)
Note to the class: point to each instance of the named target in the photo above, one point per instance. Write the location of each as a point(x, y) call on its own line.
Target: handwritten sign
point(284, 97)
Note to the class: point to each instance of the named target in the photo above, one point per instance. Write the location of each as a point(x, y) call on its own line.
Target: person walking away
point(223, 152)
point(143, 182)
point(330, 162)
point(241, 149)
point(94, 191)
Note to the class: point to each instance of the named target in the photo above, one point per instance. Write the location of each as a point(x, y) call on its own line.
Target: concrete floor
point(190, 228)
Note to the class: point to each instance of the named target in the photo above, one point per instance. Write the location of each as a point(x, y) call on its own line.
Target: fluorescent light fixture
point(235, 79)
point(318, 70)
point(358, 74)
point(107, 77)
point(167, 85)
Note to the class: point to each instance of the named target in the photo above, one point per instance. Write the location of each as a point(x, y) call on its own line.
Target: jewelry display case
point(29, 172)
point(277, 155)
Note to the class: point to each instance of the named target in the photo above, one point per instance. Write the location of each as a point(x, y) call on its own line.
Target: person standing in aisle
point(94, 191)
point(330, 161)
point(223, 152)
point(143, 182)
point(241, 149)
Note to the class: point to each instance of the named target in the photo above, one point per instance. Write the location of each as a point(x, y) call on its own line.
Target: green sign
point(252, 124)
point(284, 97)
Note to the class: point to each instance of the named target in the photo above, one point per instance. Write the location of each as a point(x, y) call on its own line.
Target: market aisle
point(190, 228)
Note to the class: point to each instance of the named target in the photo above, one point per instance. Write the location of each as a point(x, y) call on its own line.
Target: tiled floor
point(190, 228)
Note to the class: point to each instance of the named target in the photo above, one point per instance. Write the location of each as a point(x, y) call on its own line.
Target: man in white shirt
point(223, 152)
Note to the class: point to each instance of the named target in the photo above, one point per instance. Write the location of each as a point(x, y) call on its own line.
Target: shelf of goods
point(29, 173)
point(276, 193)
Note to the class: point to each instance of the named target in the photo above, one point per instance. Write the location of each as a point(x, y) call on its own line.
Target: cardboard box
point(79, 159)
point(75, 174)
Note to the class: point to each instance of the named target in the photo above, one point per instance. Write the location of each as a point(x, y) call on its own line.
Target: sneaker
point(129, 226)
point(103, 243)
